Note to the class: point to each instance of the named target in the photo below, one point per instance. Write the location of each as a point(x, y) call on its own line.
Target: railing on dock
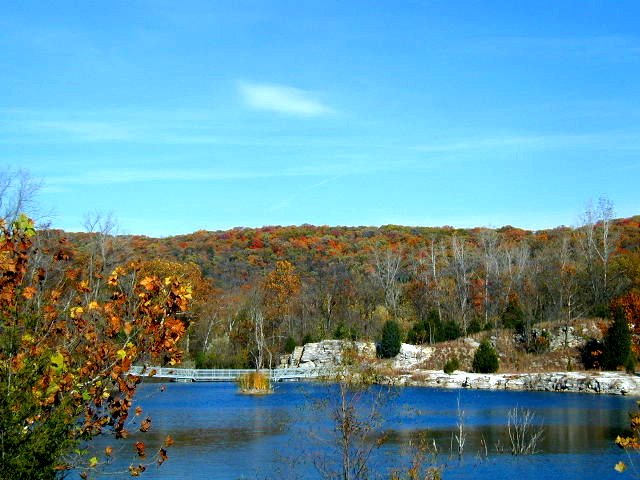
point(224, 375)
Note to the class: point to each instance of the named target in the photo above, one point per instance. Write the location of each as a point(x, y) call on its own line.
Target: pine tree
point(617, 342)
point(391, 342)
point(485, 359)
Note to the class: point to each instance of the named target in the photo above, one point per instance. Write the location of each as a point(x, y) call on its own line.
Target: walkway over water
point(224, 375)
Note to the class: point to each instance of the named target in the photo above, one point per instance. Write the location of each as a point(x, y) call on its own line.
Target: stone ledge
point(611, 383)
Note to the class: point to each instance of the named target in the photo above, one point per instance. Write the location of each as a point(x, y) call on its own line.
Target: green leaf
point(57, 360)
point(25, 224)
point(93, 461)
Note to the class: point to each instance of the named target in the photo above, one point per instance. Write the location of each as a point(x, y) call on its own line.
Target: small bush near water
point(451, 366)
point(485, 359)
point(254, 382)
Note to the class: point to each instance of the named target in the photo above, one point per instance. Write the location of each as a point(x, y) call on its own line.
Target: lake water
point(220, 434)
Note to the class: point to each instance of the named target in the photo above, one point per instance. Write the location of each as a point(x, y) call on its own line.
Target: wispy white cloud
point(159, 174)
point(281, 99)
point(614, 140)
point(289, 200)
point(83, 130)
point(196, 127)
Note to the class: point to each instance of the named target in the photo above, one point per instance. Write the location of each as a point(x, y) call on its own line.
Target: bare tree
point(436, 262)
point(18, 191)
point(597, 246)
point(489, 245)
point(387, 265)
point(257, 318)
point(104, 250)
point(354, 406)
point(524, 434)
point(462, 272)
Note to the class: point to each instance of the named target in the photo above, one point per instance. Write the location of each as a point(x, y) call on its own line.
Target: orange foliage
point(82, 350)
point(630, 305)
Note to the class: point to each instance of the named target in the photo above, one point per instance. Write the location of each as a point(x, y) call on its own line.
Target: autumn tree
point(269, 309)
point(281, 286)
point(204, 309)
point(65, 360)
point(628, 307)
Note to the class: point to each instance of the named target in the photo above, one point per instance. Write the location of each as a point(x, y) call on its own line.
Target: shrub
point(391, 341)
point(617, 342)
point(485, 359)
point(342, 332)
point(419, 333)
point(591, 354)
point(513, 316)
point(254, 382)
point(537, 341)
point(432, 329)
point(630, 365)
point(308, 338)
point(289, 345)
point(475, 326)
point(451, 366)
point(449, 331)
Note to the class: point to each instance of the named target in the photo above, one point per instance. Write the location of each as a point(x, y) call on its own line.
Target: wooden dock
point(223, 375)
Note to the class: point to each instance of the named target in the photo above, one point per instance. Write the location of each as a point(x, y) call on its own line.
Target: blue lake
point(220, 434)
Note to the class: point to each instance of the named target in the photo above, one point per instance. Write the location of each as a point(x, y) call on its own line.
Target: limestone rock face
point(328, 353)
point(611, 383)
point(411, 355)
point(566, 337)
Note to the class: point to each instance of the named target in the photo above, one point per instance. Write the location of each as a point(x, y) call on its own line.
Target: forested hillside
point(257, 292)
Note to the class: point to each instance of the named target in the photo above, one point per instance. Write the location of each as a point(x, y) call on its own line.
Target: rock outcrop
point(329, 353)
point(411, 355)
point(612, 383)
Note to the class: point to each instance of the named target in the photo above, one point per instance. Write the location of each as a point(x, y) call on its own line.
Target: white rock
point(411, 355)
point(471, 342)
point(328, 353)
point(612, 383)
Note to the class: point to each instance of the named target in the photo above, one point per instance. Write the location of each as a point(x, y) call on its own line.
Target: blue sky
point(179, 116)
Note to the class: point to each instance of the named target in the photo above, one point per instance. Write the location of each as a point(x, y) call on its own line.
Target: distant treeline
point(261, 291)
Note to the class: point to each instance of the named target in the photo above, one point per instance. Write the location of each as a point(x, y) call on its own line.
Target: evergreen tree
point(485, 359)
point(617, 342)
point(391, 341)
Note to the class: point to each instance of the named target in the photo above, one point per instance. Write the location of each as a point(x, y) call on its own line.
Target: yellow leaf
point(128, 328)
point(57, 361)
point(620, 467)
point(93, 461)
point(94, 305)
point(121, 354)
point(28, 292)
point(76, 312)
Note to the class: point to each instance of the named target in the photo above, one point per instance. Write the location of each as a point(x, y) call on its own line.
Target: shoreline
point(603, 383)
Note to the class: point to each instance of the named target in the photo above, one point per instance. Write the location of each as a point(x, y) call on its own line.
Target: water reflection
point(555, 439)
point(220, 434)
